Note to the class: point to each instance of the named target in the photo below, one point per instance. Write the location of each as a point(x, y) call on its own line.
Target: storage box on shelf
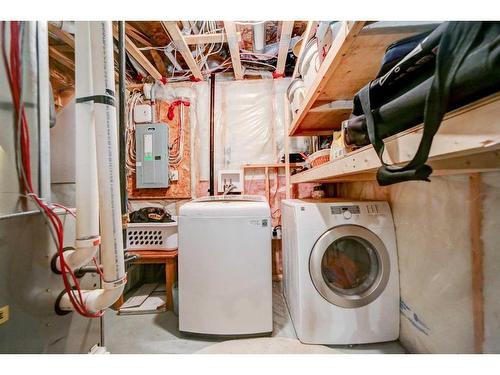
point(352, 61)
point(467, 141)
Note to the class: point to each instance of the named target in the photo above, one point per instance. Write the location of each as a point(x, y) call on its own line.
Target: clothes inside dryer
point(349, 265)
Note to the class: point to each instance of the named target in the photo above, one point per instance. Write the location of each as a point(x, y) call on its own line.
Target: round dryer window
point(349, 266)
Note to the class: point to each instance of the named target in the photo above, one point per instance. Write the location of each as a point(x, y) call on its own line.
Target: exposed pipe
point(98, 55)
point(212, 130)
point(259, 37)
point(87, 198)
point(122, 125)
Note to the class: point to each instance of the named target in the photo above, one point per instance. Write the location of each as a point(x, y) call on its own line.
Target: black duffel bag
point(422, 87)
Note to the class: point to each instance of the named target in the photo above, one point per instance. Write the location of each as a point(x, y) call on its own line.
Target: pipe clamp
point(89, 242)
point(114, 284)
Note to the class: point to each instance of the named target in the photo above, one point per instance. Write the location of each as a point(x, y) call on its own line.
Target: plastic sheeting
point(249, 125)
point(433, 237)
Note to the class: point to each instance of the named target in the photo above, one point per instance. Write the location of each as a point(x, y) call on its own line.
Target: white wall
point(432, 230)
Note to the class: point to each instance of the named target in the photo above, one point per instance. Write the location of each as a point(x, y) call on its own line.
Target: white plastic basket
point(152, 236)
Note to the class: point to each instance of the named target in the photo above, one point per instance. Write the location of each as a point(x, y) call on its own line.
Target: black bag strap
point(454, 46)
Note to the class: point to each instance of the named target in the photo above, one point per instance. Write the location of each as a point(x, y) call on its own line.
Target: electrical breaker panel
point(151, 145)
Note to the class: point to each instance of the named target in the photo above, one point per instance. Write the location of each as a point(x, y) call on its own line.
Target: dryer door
point(349, 266)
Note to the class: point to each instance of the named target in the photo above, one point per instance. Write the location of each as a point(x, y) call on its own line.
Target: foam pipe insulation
point(95, 76)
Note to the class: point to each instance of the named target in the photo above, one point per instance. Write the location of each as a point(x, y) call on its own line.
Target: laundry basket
point(319, 157)
point(152, 236)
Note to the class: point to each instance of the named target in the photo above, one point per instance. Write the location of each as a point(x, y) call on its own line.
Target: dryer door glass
point(349, 266)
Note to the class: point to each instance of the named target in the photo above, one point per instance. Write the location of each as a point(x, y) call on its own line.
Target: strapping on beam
point(205, 38)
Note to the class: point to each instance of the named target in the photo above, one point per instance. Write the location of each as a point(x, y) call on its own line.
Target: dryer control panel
point(348, 211)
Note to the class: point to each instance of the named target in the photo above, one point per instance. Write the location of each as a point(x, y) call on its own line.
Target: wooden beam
point(138, 56)
point(206, 38)
point(62, 58)
point(286, 35)
point(136, 35)
point(158, 62)
point(64, 80)
point(475, 213)
point(181, 45)
point(232, 40)
point(62, 35)
point(310, 29)
point(286, 106)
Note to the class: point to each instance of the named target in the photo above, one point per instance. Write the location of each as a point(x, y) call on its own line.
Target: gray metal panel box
point(151, 144)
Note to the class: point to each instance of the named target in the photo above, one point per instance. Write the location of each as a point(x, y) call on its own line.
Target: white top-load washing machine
point(341, 280)
point(225, 274)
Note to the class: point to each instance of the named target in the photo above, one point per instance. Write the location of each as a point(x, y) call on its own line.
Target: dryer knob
point(347, 215)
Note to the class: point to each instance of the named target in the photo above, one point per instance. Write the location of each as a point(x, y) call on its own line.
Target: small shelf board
point(352, 61)
point(277, 165)
point(468, 141)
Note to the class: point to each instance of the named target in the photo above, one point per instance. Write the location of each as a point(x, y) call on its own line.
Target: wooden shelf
point(276, 165)
point(468, 141)
point(352, 61)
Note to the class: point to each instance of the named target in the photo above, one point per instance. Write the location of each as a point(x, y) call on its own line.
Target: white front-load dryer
point(341, 280)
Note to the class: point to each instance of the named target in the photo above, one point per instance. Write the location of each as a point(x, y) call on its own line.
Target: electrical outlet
point(174, 175)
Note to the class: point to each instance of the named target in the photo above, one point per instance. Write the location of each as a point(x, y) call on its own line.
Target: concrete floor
point(158, 333)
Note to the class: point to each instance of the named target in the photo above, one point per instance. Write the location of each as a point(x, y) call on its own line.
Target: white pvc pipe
point(259, 37)
point(100, 53)
point(87, 198)
point(107, 152)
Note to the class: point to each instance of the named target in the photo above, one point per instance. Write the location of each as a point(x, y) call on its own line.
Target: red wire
point(65, 209)
point(14, 74)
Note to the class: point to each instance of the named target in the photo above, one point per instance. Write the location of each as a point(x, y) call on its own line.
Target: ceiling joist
point(284, 45)
point(62, 58)
point(136, 35)
point(181, 46)
point(62, 35)
point(234, 49)
point(139, 56)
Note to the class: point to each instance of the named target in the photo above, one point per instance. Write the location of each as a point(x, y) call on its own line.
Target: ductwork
point(97, 166)
point(259, 37)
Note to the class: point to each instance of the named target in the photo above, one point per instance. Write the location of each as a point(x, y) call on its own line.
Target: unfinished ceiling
point(173, 51)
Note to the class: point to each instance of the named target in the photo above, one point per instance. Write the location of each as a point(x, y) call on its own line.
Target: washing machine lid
point(228, 205)
point(349, 266)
